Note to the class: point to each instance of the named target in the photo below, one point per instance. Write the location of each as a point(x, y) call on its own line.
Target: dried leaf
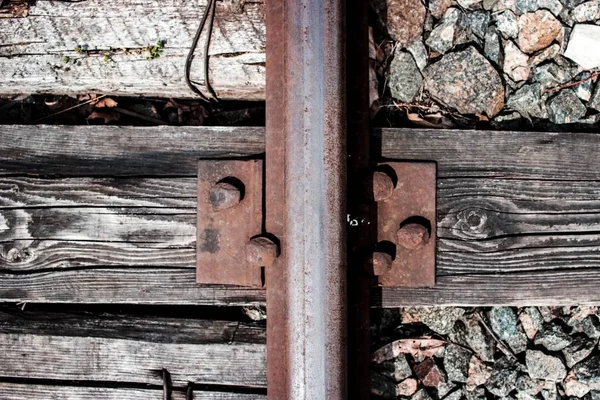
point(106, 102)
point(375, 52)
point(418, 348)
point(106, 115)
point(435, 121)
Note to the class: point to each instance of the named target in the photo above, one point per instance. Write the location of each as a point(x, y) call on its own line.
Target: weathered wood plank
point(33, 50)
point(518, 216)
point(130, 350)
point(120, 151)
point(47, 392)
point(116, 360)
point(122, 286)
point(470, 153)
point(98, 240)
point(564, 287)
point(147, 328)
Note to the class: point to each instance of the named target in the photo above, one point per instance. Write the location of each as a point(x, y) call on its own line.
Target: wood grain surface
point(39, 53)
point(111, 217)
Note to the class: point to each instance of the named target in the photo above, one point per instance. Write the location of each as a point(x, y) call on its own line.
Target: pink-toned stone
point(538, 30)
point(407, 387)
point(479, 373)
point(466, 81)
point(429, 373)
point(405, 20)
point(516, 63)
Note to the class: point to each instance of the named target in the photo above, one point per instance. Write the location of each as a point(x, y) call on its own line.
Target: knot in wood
point(15, 255)
point(224, 195)
point(473, 221)
point(261, 252)
point(412, 236)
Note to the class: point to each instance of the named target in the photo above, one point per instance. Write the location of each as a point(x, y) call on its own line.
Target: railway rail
point(317, 215)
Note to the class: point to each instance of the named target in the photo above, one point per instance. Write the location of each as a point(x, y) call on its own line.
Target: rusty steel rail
point(305, 199)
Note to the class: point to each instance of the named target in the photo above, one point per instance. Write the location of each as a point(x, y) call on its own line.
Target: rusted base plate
point(222, 234)
point(412, 204)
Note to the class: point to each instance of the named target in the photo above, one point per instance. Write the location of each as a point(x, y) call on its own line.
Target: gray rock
point(479, 373)
point(578, 350)
point(469, 4)
point(493, 46)
point(526, 6)
point(478, 22)
point(573, 387)
point(565, 107)
point(552, 337)
point(594, 102)
point(590, 326)
point(405, 79)
point(407, 387)
point(503, 5)
point(469, 332)
point(419, 53)
point(439, 319)
point(456, 363)
point(550, 76)
point(438, 8)
point(443, 36)
point(503, 379)
point(544, 55)
point(382, 386)
point(504, 323)
point(456, 395)
point(593, 395)
point(516, 63)
point(583, 38)
point(507, 24)
point(584, 89)
point(488, 5)
point(588, 372)
point(543, 366)
point(530, 317)
point(445, 388)
point(571, 4)
point(421, 395)
point(528, 102)
point(477, 393)
point(397, 369)
point(587, 12)
point(550, 393)
point(528, 385)
point(466, 81)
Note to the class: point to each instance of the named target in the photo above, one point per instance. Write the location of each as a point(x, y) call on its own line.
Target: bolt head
point(224, 195)
point(383, 186)
point(412, 236)
point(379, 263)
point(261, 252)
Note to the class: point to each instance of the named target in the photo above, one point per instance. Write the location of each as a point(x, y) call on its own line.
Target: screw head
point(412, 236)
point(379, 263)
point(224, 195)
point(261, 252)
point(383, 186)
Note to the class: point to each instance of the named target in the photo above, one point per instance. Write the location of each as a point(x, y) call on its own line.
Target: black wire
point(209, 15)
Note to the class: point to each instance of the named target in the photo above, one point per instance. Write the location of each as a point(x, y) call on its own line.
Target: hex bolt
point(379, 263)
point(412, 236)
point(261, 252)
point(383, 186)
point(224, 195)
